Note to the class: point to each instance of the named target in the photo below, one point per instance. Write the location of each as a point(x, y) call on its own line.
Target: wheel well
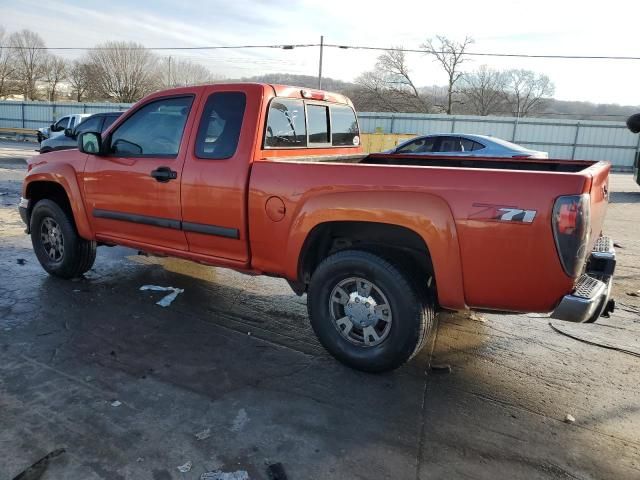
point(55, 192)
point(398, 244)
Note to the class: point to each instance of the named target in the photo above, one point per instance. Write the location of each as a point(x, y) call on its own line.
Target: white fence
point(42, 114)
point(566, 139)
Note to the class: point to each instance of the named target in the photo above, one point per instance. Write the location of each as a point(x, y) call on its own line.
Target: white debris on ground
point(116, 403)
point(206, 433)
point(186, 467)
point(219, 475)
point(167, 299)
point(240, 421)
point(569, 418)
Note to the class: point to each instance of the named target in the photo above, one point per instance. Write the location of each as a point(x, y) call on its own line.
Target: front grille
point(586, 287)
point(603, 245)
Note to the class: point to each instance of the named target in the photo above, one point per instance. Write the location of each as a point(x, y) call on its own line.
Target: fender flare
point(428, 215)
point(65, 176)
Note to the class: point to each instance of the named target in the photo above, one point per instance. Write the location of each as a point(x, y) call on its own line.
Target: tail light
point(571, 227)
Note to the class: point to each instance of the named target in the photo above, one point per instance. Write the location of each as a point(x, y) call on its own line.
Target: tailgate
point(599, 193)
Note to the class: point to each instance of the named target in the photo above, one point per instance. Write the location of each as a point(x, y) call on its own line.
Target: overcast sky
point(533, 27)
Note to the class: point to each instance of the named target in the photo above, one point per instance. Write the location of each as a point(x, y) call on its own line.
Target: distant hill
point(552, 109)
point(307, 81)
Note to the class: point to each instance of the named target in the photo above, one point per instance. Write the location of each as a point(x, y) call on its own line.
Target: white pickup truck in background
point(57, 128)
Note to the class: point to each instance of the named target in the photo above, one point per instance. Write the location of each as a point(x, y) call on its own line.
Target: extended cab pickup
point(269, 179)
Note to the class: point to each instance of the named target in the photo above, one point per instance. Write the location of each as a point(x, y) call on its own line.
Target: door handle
point(164, 174)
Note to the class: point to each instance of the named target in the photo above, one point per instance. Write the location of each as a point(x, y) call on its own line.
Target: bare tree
point(7, 65)
point(450, 55)
point(125, 71)
point(55, 72)
point(179, 72)
point(526, 91)
point(81, 78)
point(483, 91)
point(30, 59)
point(389, 86)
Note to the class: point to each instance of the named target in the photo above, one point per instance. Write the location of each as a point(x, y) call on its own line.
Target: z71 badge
point(500, 213)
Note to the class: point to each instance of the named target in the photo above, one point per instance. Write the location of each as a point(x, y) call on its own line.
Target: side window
point(318, 123)
point(478, 146)
point(61, 124)
point(108, 120)
point(72, 122)
point(420, 145)
point(470, 145)
point(344, 126)
point(450, 144)
point(91, 124)
point(220, 126)
point(286, 124)
point(154, 130)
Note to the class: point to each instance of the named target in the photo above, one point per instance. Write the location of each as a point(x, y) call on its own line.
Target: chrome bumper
point(590, 297)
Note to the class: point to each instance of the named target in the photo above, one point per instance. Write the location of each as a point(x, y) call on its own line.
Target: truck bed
point(505, 265)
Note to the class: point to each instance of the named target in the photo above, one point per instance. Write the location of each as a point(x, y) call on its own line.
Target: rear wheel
point(366, 312)
point(57, 245)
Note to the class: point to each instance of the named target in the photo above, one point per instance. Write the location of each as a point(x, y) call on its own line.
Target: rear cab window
point(299, 123)
point(286, 126)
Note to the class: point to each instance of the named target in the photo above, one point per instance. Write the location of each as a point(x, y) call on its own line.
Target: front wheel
point(366, 312)
point(56, 243)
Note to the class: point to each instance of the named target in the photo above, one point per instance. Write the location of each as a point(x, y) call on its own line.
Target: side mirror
point(52, 127)
point(91, 143)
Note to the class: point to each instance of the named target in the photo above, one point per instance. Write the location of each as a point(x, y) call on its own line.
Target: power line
point(483, 54)
point(292, 46)
point(216, 47)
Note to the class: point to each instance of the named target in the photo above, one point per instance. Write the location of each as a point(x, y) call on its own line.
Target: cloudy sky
point(553, 27)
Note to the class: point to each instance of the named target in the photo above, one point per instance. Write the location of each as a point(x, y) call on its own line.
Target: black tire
point(46, 150)
point(78, 254)
point(412, 311)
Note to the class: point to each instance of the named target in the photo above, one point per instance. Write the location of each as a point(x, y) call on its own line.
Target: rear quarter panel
point(479, 261)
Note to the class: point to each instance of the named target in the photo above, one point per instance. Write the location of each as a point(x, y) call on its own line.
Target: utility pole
point(320, 65)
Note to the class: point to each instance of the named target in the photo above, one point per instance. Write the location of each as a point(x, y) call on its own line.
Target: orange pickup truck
point(270, 179)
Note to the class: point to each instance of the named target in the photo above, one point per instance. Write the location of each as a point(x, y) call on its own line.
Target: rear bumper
point(590, 296)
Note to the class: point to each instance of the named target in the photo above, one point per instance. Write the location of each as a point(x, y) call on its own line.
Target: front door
point(133, 193)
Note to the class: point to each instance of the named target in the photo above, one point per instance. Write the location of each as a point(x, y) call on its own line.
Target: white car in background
point(58, 128)
point(465, 145)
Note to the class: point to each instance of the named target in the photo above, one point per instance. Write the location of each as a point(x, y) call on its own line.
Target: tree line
point(126, 71)
point(483, 91)
point(111, 71)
